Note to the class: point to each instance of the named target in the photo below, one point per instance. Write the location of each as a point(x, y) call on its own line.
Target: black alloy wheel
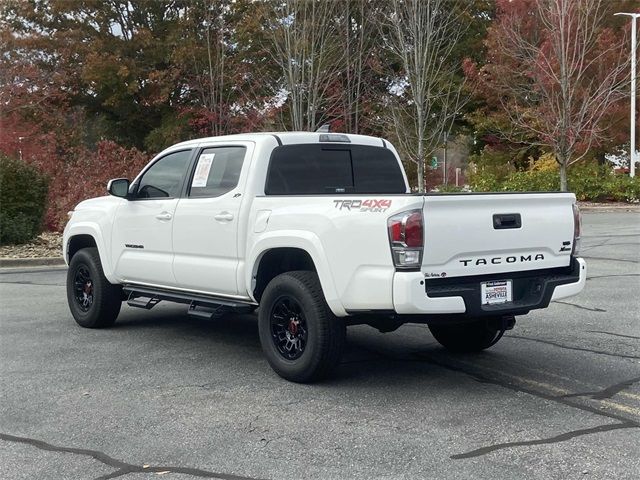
point(93, 301)
point(300, 336)
point(288, 327)
point(83, 288)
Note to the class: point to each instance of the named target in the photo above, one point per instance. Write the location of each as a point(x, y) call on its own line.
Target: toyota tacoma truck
point(317, 231)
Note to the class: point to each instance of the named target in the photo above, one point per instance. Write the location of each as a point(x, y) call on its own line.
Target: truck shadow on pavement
point(370, 353)
point(381, 365)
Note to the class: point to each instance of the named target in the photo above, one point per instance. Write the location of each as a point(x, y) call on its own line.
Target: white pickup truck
point(319, 231)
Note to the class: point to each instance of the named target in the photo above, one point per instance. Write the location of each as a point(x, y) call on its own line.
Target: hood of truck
point(479, 234)
point(98, 202)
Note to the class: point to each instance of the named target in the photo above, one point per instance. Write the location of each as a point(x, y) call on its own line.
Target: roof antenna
point(324, 128)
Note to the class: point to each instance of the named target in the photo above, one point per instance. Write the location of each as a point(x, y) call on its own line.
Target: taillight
point(577, 230)
point(406, 237)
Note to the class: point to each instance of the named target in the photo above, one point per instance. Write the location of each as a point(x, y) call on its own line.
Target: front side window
point(164, 177)
point(217, 171)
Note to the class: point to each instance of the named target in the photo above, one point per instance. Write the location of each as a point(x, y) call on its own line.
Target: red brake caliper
point(293, 327)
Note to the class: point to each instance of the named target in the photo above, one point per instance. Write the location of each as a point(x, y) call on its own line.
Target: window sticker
point(202, 170)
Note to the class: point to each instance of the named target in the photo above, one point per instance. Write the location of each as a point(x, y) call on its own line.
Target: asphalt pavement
point(163, 395)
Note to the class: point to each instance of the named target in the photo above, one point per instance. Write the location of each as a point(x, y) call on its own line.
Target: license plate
point(496, 292)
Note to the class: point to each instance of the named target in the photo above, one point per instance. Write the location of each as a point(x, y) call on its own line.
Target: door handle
point(224, 217)
point(164, 216)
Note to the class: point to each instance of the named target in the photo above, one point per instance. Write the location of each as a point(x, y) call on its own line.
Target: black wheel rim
point(83, 288)
point(288, 327)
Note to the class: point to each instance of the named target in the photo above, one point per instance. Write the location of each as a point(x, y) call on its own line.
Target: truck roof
point(291, 138)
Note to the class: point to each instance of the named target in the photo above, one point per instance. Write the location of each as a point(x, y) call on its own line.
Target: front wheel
point(300, 336)
point(93, 301)
point(467, 337)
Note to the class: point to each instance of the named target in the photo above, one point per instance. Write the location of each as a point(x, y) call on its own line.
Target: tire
point(93, 301)
point(293, 302)
point(467, 337)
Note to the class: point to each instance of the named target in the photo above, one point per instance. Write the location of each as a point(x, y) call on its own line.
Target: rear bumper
point(574, 288)
point(534, 289)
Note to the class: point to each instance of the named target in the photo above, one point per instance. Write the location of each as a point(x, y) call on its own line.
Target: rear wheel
point(300, 336)
point(467, 337)
point(93, 301)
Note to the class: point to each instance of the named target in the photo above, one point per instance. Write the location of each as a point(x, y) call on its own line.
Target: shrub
point(484, 180)
point(546, 163)
point(589, 181)
point(448, 189)
point(623, 188)
point(538, 181)
point(23, 194)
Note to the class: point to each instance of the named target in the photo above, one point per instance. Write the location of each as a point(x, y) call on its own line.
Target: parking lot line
point(555, 390)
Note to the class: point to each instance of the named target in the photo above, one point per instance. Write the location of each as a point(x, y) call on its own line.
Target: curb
point(32, 262)
point(608, 206)
point(612, 208)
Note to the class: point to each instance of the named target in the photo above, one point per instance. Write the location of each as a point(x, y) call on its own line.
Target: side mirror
point(118, 187)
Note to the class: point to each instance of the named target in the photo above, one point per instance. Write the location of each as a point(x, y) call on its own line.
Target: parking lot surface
point(165, 395)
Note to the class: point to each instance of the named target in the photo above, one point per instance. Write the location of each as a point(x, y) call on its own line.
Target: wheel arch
point(77, 242)
point(276, 261)
point(302, 251)
point(81, 236)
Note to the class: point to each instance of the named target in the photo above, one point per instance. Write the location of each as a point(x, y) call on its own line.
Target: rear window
point(316, 169)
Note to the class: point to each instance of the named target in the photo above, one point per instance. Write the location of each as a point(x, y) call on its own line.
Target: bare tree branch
point(305, 47)
point(422, 34)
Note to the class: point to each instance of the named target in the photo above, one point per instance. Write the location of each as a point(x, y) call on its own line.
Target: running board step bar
point(142, 302)
point(206, 306)
point(206, 312)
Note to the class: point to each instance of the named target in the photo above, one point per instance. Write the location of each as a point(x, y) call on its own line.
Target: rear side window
point(217, 171)
point(316, 169)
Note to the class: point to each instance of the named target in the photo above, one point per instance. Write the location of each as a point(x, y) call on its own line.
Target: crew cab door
point(142, 247)
point(205, 229)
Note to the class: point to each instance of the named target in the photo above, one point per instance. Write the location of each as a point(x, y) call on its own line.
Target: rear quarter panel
point(346, 237)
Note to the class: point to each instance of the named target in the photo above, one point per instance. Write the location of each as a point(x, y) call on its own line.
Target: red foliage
point(75, 173)
point(550, 77)
point(85, 175)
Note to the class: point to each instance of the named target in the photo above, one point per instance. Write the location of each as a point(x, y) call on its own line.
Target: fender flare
point(303, 240)
point(93, 230)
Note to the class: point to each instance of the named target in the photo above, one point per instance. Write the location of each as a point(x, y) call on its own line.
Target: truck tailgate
point(478, 234)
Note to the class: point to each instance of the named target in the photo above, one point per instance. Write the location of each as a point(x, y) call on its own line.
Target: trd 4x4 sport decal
point(369, 205)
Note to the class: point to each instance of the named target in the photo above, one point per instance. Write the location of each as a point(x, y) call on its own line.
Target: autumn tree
point(304, 45)
point(221, 82)
point(360, 84)
point(114, 55)
point(555, 71)
point(426, 92)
